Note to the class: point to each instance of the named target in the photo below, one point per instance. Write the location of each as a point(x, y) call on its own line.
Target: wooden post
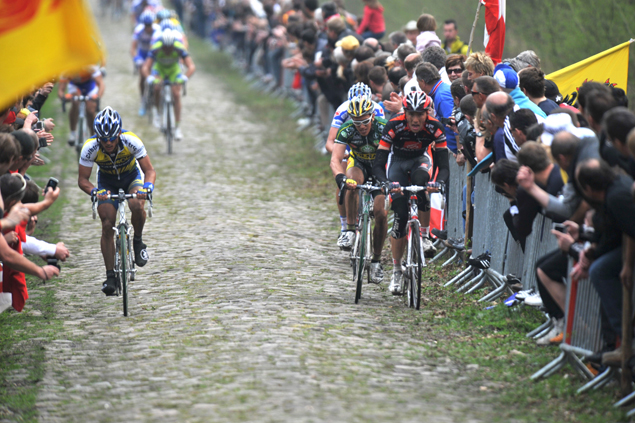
point(469, 46)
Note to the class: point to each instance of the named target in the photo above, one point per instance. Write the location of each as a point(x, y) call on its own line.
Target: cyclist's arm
point(339, 150)
point(330, 140)
point(148, 170)
point(147, 66)
point(379, 165)
point(99, 80)
point(84, 179)
point(133, 49)
point(189, 63)
point(61, 88)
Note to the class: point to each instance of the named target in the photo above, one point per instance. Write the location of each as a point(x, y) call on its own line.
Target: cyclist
point(341, 116)
point(137, 7)
point(406, 146)
point(89, 82)
point(121, 158)
point(362, 134)
point(163, 62)
point(169, 24)
point(142, 38)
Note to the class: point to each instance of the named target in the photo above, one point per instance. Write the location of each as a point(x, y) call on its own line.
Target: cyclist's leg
point(421, 173)
point(91, 109)
point(138, 220)
point(398, 172)
point(108, 214)
point(73, 114)
point(352, 196)
point(381, 224)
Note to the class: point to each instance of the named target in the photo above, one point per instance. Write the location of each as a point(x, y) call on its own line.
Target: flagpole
point(478, 9)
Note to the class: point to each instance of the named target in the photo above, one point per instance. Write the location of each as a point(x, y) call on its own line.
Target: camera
point(52, 261)
point(560, 228)
point(42, 143)
point(446, 121)
point(52, 183)
point(38, 126)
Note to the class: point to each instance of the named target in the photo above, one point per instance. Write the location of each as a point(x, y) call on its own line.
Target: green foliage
point(560, 32)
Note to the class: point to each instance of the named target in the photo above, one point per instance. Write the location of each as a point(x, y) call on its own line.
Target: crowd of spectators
point(24, 138)
point(572, 163)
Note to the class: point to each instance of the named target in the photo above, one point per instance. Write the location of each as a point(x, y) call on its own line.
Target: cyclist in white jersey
point(142, 38)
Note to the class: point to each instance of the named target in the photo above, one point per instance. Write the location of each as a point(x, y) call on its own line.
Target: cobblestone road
point(245, 311)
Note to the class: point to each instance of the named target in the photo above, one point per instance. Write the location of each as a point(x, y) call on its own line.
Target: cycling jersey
point(404, 143)
point(363, 148)
point(83, 82)
point(341, 114)
point(122, 163)
point(165, 60)
point(144, 39)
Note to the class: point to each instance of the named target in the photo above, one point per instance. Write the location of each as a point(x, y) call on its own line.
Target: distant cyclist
point(89, 82)
point(163, 63)
point(141, 43)
point(179, 34)
point(137, 7)
point(406, 146)
point(362, 134)
point(341, 116)
point(121, 157)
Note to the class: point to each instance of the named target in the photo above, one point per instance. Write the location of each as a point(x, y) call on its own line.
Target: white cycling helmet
point(359, 89)
point(168, 37)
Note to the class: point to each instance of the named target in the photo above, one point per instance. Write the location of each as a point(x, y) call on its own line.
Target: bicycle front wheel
point(416, 263)
point(123, 251)
point(361, 257)
point(169, 136)
point(79, 143)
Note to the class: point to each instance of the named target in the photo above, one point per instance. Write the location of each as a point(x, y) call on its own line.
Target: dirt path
point(244, 312)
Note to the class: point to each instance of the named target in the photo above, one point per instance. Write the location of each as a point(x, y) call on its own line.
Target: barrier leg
point(598, 381)
point(494, 294)
point(477, 279)
point(439, 255)
point(627, 399)
point(477, 286)
point(451, 259)
point(547, 325)
point(459, 276)
point(551, 368)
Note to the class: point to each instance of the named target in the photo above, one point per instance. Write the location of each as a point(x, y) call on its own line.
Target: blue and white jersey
point(144, 39)
point(341, 114)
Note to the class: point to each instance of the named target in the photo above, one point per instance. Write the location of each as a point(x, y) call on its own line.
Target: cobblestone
point(245, 310)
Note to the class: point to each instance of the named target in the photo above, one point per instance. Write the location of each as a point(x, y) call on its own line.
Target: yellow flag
point(40, 40)
point(607, 67)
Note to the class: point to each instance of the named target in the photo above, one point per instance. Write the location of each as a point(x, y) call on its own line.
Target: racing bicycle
point(124, 254)
point(168, 121)
point(362, 250)
point(82, 125)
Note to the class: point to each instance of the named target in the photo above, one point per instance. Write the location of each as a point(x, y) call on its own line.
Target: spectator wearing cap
point(372, 24)
point(558, 122)
point(454, 66)
point(532, 83)
point(452, 43)
point(479, 64)
point(428, 36)
point(519, 121)
point(430, 82)
point(553, 93)
point(508, 80)
point(412, 32)
point(349, 45)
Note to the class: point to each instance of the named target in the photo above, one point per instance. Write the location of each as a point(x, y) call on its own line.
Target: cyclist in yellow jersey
point(121, 157)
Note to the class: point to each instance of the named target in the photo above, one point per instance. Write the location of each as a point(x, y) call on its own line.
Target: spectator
point(562, 122)
point(609, 195)
point(404, 51)
point(373, 44)
point(617, 123)
point(500, 105)
point(372, 25)
point(377, 78)
point(437, 56)
point(452, 43)
point(394, 76)
point(508, 81)
point(525, 59)
point(482, 87)
point(411, 62)
point(479, 64)
point(532, 83)
point(412, 32)
point(398, 38)
point(519, 121)
point(430, 83)
point(465, 125)
point(427, 26)
point(458, 92)
point(454, 66)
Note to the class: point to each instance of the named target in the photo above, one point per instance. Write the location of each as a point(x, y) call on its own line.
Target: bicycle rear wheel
point(169, 136)
point(123, 252)
point(131, 264)
point(361, 257)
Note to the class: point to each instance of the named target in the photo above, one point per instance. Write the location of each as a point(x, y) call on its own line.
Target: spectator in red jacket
point(372, 25)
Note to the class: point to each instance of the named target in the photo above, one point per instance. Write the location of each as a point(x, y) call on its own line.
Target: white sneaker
point(72, 137)
point(396, 282)
point(376, 273)
point(156, 118)
point(346, 242)
point(178, 135)
point(6, 300)
point(534, 300)
point(428, 249)
point(521, 295)
point(556, 330)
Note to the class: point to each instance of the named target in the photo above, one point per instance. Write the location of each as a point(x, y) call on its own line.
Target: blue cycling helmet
point(359, 89)
point(147, 17)
point(107, 123)
point(167, 23)
point(164, 14)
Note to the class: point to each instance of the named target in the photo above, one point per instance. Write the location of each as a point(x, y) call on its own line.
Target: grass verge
point(24, 336)
point(493, 340)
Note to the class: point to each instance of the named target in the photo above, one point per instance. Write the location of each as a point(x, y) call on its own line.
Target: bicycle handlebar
point(364, 187)
point(77, 98)
point(121, 196)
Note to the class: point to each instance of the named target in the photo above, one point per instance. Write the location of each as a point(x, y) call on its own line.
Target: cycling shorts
point(127, 182)
point(89, 89)
point(367, 171)
point(401, 169)
point(172, 74)
point(141, 57)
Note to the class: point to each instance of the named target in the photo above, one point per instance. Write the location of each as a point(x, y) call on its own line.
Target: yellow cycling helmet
point(360, 105)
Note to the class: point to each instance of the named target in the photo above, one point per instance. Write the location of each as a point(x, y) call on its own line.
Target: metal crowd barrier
point(582, 334)
point(540, 242)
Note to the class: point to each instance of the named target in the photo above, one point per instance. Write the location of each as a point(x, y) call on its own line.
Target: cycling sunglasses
point(455, 70)
point(362, 122)
point(106, 140)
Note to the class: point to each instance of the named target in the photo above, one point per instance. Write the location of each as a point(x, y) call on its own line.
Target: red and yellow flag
point(608, 67)
point(40, 40)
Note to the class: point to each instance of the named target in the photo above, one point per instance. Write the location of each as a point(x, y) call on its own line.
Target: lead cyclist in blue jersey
point(121, 158)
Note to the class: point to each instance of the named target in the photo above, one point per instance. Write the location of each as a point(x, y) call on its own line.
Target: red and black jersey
point(402, 142)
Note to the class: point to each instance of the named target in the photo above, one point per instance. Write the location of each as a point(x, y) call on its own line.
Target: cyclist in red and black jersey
point(406, 146)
